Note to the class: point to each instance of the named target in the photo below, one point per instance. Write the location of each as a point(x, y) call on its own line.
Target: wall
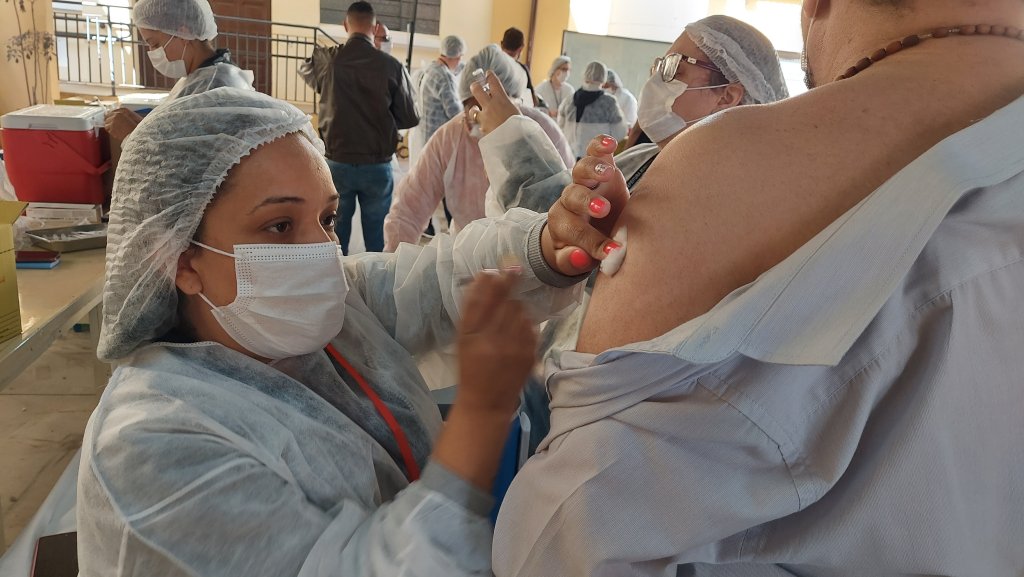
point(12, 89)
point(509, 13)
point(470, 19)
point(552, 20)
point(395, 13)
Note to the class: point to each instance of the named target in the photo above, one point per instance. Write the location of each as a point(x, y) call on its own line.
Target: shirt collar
point(355, 35)
point(810, 308)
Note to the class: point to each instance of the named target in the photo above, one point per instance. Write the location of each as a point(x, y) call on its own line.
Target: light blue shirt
point(857, 410)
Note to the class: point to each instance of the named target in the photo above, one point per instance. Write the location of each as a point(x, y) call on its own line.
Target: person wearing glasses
point(717, 63)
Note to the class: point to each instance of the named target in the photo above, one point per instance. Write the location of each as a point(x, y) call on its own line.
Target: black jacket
point(365, 98)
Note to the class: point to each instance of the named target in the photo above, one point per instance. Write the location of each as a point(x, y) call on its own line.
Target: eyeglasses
point(668, 67)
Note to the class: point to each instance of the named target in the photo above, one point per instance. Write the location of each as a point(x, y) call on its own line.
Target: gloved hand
point(578, 234)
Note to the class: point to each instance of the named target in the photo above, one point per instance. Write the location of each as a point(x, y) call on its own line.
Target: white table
point(52, 301)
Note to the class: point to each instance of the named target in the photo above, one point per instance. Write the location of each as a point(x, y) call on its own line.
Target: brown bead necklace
point(915, 39)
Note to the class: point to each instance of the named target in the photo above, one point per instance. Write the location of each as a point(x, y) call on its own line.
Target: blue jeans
point(371, 185)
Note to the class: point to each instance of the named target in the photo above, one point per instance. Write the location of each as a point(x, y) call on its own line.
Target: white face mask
point(175, 69)
point(291, 298)
point(561, 75)
point(655, 111)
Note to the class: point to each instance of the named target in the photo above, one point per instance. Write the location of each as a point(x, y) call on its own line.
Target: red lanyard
point(411, 468)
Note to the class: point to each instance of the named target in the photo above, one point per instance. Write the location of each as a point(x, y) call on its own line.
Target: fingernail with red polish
point(601, 168)
point(608, 141)
point(599, 207)
point(579, 259)
point(612, 246)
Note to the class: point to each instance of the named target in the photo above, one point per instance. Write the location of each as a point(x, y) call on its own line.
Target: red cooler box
point(56, 153)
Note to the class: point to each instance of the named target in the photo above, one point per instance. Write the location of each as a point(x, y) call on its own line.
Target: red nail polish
point(608, 141)
point(579, 259)
point(598, 206)
point(612, 246)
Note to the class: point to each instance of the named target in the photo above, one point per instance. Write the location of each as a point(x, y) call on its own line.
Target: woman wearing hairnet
point(627, 102)
point(716, 63)
point(591, 112)
point(266, 416)
point(450, 167)
point(556, 90)
point(179, 35)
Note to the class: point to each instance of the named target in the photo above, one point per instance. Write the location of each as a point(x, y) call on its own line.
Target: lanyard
point(640, 173)
point(411, 468)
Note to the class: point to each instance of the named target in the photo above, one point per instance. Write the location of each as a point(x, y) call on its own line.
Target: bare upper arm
point(724, 202)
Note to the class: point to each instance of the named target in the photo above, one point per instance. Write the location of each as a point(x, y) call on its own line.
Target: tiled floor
point(42, 417)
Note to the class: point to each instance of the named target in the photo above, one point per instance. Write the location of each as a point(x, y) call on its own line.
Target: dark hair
point(513, 39)
point(361, 11)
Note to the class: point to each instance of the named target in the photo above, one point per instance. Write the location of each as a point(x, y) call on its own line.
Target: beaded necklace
point(915, 39)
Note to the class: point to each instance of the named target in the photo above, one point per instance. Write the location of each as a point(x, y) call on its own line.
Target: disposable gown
point(209, 77)
point(525, 172)
point(554, 98)
point(628, 105)
point(202, 461)
point(438, 98)
point(601, 117)
point(451, 167)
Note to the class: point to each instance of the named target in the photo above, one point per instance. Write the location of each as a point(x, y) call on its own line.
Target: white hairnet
point(596, 73)
point(743, 55)
point(558, 64)
point(170, 169)
point(187, 19)
point(510, 73)
point(452, 46)
point(613, 78)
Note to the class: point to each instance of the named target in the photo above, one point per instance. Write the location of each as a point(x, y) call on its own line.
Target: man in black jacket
point(366, 98)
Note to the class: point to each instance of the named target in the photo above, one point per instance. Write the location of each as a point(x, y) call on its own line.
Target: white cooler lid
point(150, 99)
point(54, 117)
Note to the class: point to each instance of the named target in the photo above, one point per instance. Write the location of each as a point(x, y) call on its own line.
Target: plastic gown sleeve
point(524, 168)
point(416, 292)
point(215, 483)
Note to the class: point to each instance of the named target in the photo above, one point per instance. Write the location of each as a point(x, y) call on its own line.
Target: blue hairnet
point(743, 55)
point(187, 19)
point(170, 169)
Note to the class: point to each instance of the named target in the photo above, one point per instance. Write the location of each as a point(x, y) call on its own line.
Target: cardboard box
point(10, 307)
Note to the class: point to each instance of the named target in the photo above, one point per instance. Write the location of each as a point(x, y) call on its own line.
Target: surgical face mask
point(561, 75)
point(655, 113)
point(291, 298)
point(170, 69)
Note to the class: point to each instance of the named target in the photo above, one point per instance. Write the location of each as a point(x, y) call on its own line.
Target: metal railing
point(98, 46)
